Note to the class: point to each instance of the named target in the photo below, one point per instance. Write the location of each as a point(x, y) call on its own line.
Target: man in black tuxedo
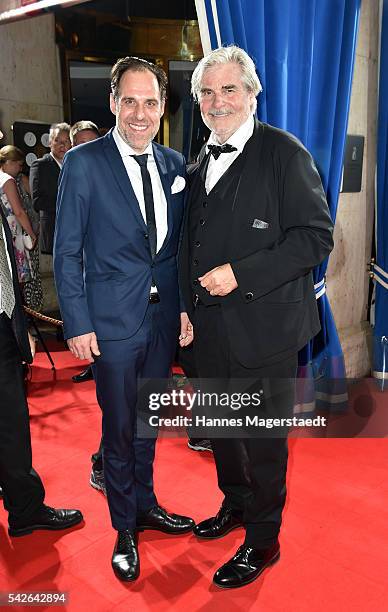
point(256, 225)
point(44, 174)
point(23, 490)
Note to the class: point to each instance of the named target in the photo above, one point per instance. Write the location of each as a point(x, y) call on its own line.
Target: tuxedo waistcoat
point(210, 222)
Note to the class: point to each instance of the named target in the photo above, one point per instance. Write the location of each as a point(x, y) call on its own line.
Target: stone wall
point(30, 89)
point(347, 275)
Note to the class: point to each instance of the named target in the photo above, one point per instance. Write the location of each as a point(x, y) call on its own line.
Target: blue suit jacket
point(102, 261)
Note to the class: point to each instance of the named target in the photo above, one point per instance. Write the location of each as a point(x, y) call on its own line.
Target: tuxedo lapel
point(250, 174)
point(197, 172)
point(119, 172)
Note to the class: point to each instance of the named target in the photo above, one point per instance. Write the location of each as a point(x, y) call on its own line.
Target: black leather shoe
point(85, 375)
point(125, 558)
point(219, 525)
point(160, 520)
point(47, 518)
point(246, 565)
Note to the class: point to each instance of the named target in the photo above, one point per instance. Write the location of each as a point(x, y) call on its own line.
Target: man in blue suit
point(119, 212)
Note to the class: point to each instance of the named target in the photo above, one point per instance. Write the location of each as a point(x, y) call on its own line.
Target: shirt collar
point(56, 160)
point(240, 136)
point(125, 149)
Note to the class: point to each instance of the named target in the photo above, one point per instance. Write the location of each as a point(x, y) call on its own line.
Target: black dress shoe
point(125, 558)
point(247, 565)
point(47, 518)
point(85, 375)
point(219, 525)
point(160, 520)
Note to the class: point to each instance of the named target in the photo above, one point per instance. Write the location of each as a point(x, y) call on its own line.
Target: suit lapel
point(163, 173)
point(119, 172)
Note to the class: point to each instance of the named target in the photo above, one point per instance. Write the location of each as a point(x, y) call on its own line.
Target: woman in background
point(24, 222)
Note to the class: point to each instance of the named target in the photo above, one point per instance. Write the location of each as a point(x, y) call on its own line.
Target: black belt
point(154, 298)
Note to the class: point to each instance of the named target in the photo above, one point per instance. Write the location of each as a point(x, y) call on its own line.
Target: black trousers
point(23, 490)
point(251, 471)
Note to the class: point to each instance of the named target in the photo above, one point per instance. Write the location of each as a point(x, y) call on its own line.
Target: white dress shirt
point(134, 175)
point(217, 167)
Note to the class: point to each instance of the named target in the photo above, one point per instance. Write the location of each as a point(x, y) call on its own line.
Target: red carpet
point(334, 541)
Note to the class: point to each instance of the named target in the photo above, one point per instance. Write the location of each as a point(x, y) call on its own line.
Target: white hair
point(225, 55)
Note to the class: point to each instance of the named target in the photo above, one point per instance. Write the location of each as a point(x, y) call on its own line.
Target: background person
point(12, 161)
point(23, 236)
point(44, 174)
point(83, 131)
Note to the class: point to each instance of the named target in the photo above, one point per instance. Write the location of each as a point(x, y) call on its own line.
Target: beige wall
point(30, 84)
point(30, 89)
point(347, 275)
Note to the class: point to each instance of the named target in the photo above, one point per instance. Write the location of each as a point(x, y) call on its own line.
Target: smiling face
point(224, 100)
point(138, 108)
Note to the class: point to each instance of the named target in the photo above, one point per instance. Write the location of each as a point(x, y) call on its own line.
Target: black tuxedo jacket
point(44, 174)
point(18, 321)
point(281, 230)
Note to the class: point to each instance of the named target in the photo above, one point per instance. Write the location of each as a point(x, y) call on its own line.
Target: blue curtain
point(381, 267)
point(304, 53)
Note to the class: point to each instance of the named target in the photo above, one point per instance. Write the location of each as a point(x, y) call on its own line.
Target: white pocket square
point(259, 224)
point(178, 184)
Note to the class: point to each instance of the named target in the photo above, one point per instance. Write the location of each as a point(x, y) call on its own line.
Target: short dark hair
point(136, 64)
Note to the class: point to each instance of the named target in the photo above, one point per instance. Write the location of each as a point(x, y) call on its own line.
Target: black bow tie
point(216, 150)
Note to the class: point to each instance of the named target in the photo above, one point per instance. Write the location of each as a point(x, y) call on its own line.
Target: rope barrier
point(42, 317)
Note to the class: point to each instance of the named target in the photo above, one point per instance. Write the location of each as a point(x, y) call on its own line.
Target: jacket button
point(196, 262)
point(248, 296)
point(146, 236)
point(202, 221)
point(204, 204)
point(195, 282)
point(197, 244)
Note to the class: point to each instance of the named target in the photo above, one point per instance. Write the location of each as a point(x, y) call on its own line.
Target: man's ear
point(112, 104)
point(162, 105)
